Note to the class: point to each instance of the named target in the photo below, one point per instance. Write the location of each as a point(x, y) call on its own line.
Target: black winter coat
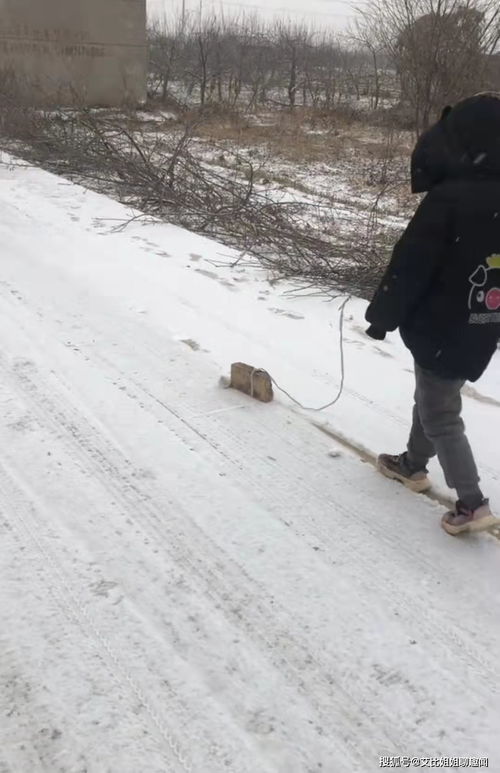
point(442, 286)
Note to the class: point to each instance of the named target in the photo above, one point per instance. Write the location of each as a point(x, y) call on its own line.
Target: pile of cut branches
point(159, 175)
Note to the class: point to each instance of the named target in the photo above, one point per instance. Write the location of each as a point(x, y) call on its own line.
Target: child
point(442, 290)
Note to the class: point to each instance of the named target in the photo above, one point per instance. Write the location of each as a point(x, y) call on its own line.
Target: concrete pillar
point(91, 52)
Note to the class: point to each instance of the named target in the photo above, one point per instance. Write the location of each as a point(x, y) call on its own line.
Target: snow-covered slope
point(190, 580)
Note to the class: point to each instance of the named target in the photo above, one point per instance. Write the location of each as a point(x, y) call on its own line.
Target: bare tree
point(165, 51)
point(291, 40)
point(242, 62)
point(364, 36)
point(440, 48)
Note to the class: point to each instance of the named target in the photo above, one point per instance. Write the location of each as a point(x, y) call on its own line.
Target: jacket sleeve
point(415, 260)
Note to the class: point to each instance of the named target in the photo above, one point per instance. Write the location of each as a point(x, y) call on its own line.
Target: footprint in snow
point(289, 314)
point(23, 425)
point(469, 391)
point(383, 354)
point(213, 275)
point(23, 366)
point(357, 344)
point(194, 345)
point(103, 588)
point(260, 724)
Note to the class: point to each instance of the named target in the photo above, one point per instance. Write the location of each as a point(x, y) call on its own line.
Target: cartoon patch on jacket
point(484, 297)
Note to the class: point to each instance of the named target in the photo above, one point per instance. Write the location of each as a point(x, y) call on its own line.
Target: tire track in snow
point(269, 491)
point(50, 413)
point(482, 666)
point(228, 593)
point(288, 478)
point(366, 456)
point(39, 712)
point(20, 697)
point(78, 613)
point(137, 501)
point(11, 293)
point(302, 654)
point(222, 586)
point(26, 713)
point(236, 452)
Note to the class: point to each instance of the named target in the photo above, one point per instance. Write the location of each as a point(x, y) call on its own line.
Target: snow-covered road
point(191, 581)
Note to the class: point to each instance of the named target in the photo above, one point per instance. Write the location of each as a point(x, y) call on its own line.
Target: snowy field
point(193, 581)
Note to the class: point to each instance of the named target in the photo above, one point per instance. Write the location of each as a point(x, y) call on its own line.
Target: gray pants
point(438, 429)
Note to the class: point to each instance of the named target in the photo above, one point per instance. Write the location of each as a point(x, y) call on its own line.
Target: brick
point(252, 381)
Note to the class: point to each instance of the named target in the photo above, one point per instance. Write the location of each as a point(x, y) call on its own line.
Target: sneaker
point(464, 520)
point(397, 468)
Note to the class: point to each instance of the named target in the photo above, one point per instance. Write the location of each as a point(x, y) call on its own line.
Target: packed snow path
point(191, 581)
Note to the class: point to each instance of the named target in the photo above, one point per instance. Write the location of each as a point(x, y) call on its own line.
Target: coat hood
point(464, 143)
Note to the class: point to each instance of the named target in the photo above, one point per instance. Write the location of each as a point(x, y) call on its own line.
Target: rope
point(342, 371)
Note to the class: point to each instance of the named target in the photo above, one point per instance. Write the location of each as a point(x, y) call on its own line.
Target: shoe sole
point(417, 486)
point(473, 527)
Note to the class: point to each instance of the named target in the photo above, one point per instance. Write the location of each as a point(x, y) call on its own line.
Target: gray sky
point(335, 13)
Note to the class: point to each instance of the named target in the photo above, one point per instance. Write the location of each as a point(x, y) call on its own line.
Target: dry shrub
point(159, 175)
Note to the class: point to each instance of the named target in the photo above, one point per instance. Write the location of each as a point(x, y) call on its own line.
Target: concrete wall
point(91, 51)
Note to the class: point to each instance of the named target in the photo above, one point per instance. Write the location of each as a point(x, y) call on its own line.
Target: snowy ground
point(344, 182)
point(192, 581)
